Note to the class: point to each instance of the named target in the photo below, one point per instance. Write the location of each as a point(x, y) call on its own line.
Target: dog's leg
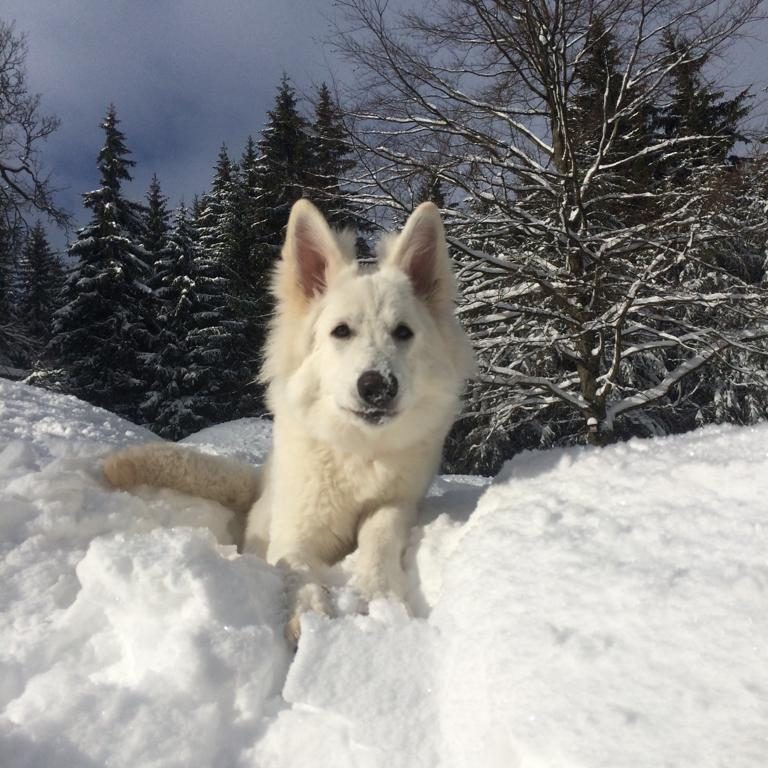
point(304, 587)
point(381, 540)
point(304, 546)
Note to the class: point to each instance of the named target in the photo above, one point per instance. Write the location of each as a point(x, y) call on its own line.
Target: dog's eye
point(402, 332)
point(341, 331)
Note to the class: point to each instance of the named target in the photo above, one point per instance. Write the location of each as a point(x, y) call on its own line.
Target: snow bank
point(608, 608)
point(248, 441)
point(598, 608)
point(169, 644)
point(123, 639)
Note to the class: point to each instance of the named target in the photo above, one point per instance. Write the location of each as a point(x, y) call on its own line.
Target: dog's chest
point(356, 486)
point(323, 495)
point(352, 487)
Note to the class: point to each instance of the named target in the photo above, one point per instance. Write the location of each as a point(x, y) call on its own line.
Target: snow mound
point(606, 603)
point(169, 643)
point(597, 608)
point(246, 439)
point(49, 423)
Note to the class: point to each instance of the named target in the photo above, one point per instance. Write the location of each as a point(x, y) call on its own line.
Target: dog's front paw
point(121, 470)
point(380, 583)
point(308, 597)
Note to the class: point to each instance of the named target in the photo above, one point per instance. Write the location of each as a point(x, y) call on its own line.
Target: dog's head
point(366, 356)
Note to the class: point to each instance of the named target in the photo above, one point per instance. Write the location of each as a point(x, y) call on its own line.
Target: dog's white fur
point(339, 475)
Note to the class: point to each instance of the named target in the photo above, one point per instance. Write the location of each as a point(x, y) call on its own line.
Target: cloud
point(185, 76)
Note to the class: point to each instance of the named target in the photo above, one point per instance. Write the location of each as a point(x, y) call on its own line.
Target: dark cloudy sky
point(185, 76)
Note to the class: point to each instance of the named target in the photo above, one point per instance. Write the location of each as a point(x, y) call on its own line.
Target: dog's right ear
point(421, 251)
point(311, 253)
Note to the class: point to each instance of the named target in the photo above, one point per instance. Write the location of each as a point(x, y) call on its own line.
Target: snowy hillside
point(586, 609)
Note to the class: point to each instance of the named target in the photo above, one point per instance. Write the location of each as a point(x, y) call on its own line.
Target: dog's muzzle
point(377, 393)
point(375, 417)
point(376, 390)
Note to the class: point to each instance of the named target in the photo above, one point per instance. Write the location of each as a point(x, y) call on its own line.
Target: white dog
point(365, 368)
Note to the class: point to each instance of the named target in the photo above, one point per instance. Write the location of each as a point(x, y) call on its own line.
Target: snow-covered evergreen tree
point(7, 270)
point(251, 265)
point(157, 225)
point(286, 159)
point(215, 222)
point(226, 265)
point(243, 221)
point(696, 107)
point(14, 342)
point(41, 281)
point(330, 162)
point(596, 103)
point(735, 245)
point(221, 362)
point(103, 332)
point(175, 403)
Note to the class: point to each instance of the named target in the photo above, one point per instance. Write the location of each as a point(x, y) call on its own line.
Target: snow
point(248, 441)
point(588, 608)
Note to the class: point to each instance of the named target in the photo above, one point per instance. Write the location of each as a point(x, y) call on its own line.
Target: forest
point(604, 190)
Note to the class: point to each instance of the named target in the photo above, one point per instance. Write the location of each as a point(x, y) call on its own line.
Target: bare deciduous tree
point(23, 185)
point(591, 252)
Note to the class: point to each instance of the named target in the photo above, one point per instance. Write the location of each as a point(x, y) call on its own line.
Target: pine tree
point(696, 108)
point(598, 77)
point(156, 243)
point(598, 97)
point(330, 161)
point(104, 331)
point(41, 283)
point(243, 205)
point(272, 175)
point(215, 222)
point(284, 175)
point(13, 342)
point(174, 405)
point(203, 370)
point(224, 245)
point(157, 226)
point(195, 212)
point(7, 270)
point(251, 275)
point(221, 363)
point(240, 223)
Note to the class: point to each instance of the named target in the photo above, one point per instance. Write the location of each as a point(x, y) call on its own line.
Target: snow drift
point(596, 608)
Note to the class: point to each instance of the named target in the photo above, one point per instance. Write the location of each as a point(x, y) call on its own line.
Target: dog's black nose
point(377, 390)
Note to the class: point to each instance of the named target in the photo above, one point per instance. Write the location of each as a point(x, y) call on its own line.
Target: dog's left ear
point(422, 253)
point(311, 252)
